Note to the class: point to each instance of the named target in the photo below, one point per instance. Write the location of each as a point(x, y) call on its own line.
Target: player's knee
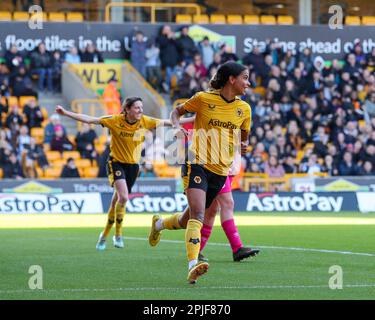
point(227, 205)
point(122, 198)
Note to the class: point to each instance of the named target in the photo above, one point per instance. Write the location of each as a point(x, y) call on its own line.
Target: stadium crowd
point(309, 115)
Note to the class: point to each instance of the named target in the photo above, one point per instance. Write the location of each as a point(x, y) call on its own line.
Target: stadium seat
point(368, 20)
point(24, 100)
point(352, 20)
point(183, 18)
point(201, 19)
point(251, 19)
point(11, 100)
point(53, 155)
point(40, 172)
point(267, 19)
point(234, 19)
point(71, 154)
point(83, 163)
point(5, 16)
point(74, 17)
point(21, 16)
point(286, 20)
point(91, 172)
point(58, 163)
point(52, 173)
point(217, 19)
point(37, 134)
point(56, 17)
point(44, 112)
point(1, 173)
point(44, 14)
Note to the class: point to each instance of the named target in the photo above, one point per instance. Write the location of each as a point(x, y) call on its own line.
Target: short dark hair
point(129, 102)
point(226, 70)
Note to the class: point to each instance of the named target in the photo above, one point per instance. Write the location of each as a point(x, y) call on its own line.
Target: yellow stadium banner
point(97, 75)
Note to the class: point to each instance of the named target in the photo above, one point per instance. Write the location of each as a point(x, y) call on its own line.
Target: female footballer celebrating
point(219, 115)
point(127, 134)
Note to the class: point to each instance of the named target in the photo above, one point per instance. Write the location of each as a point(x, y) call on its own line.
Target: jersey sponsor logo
point(194, 241)
point(197, 179)
point(222, 124)
point(125, 134)
point(304, 202)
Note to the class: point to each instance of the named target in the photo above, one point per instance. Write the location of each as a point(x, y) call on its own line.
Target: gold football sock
point(193, 239)
point(120, 213)
point(171, 223)
point(110, 222)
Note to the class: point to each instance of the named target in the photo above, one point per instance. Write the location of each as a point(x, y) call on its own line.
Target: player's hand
point(244, 148)
point(180, 132)
point(60, 110)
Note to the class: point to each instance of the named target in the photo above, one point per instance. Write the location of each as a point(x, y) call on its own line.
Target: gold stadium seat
point(83, 163)
point(352, 20)
point(183, 18)
point(201, 19)
point(12, 100)
point(71, 154)
point(74, 16)
point(52, 173)
point(25, 99)
point(44, 15)
point(21, 16)
point(44, 113)
point(91, 172)
point(53, 155)
point(40, 172)
point(56, 17)
point(251, 19)
point(1, 173)
point(286, 20)
point(37, 134)
point(368, 20)
point(217, 19)
point(267, 19)
point(5, 16)
point(58, 163)
point(234, 19)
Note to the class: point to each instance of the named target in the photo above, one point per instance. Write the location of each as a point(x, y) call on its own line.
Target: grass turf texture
point(73, 269)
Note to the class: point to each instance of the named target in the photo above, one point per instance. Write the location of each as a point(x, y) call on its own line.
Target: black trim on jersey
point(227, 101)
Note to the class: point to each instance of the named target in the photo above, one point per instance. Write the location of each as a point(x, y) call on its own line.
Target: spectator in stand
point(347, 167)
point(91, 54)
point(169, 55)
point(23, 140)
point(72, 56)
point(22, 84)
point(14, 119)
point(227, 53)
point(36, 153)
point(311, 166)
point(138, 53)
point(329, 166)
point(49, 129)
point(369, 107)
point(289, 164)
point(214, 65)
point(60, 141)
point(147, 171)
point(112, 98)
point(366, 169)
point(14, 60)
point(85, 141)
point(33, 114)
point(70, 170)
point(12, 168)
point(200, 69)
point(186, 46)
point(273, 168)
point(57, 62)
point(153, 69)
point(4, 107)
point(188, 85)
point(307, 59)
point(207, 52)
point(28, 165)
point(41, 65)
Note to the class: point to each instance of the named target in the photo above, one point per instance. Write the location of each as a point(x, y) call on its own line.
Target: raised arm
point(168, 123)
point(77, 116)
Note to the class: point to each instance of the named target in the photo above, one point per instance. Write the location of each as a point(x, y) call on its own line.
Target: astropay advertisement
point(50, 203)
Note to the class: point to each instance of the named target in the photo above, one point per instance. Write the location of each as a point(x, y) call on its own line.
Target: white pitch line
point(271, 247)
point(369, 285)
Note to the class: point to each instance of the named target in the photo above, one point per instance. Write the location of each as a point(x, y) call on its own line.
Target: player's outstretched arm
point(168, 123)
point(77, 116)
point(175, 118)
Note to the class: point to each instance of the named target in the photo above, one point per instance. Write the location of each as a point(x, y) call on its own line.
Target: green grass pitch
point(292, 263)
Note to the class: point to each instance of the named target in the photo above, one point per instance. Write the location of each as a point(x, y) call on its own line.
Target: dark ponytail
point(226, 70)
point(128, 103)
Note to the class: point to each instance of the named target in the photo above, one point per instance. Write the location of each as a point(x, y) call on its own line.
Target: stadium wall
point(112, 39)
point(161, 195)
